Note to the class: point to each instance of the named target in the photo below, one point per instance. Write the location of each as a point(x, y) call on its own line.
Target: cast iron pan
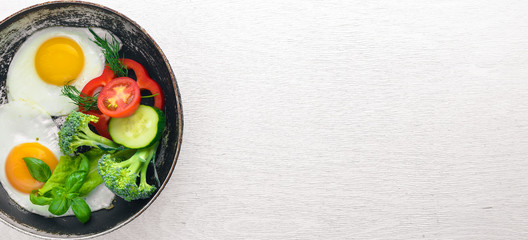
point(137, 45)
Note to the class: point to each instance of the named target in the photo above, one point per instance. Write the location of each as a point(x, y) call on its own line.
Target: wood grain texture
point(342, 119)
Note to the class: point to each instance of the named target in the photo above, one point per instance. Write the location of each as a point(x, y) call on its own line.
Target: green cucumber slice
point(139, 130)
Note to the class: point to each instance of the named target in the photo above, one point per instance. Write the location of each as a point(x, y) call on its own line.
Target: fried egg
point(48, 60)
point(28, 131)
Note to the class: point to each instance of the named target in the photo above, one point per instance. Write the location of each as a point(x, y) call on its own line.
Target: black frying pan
point(14, 30)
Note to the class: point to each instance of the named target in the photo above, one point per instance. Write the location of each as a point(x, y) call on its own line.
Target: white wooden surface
point(341, 119)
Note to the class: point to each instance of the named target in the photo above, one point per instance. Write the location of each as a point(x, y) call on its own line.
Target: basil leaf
point(38, 169)
point(64, 168)
point(39, 200)
point(59, 206)
point(75, 181)
point(85, 163)
point(72, 195)
point(58, 192)
point(81, 209)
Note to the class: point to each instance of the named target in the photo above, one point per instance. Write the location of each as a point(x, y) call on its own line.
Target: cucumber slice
point(139, 130)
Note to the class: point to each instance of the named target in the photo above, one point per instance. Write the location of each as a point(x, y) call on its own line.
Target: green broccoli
point(76, 133)
point(121, 176)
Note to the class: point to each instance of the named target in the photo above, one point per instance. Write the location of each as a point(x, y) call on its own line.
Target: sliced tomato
point(119, 98)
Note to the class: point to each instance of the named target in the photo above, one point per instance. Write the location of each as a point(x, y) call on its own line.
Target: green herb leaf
point(64, 168)
point(36, 199)
point(111, 53)
point(75, 181)
point(60, 205)
point(80, 99)
point(72, 195)
point(81, 209)
point(85, 163)
point(38, 169)
point(58, 192)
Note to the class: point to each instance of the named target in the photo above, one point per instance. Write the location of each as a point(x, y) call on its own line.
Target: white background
point(341, 119)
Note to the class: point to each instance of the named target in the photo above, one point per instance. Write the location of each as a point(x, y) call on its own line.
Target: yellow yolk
point(59, 60)
point(16, 170)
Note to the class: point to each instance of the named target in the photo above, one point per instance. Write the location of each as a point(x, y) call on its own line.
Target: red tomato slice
point(119, 98)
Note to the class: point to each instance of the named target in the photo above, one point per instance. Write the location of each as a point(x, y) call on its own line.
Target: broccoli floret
point(121, 176)
point(76, 133)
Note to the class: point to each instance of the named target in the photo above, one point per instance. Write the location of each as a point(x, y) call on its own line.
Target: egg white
point(24, 83)
point(24, 122)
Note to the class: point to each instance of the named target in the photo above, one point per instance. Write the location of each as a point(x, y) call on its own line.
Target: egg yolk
point(59, 60)
point(16, 170)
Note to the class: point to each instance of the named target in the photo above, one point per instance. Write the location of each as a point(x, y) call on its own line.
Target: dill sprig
point(80, 99)
point(111, 53)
